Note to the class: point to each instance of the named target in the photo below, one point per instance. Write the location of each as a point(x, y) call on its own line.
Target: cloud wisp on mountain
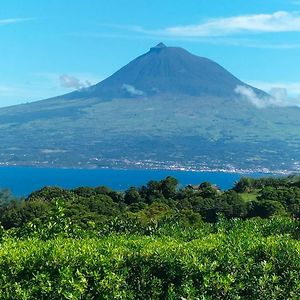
point(68, 81)
point(278, 97)
point(132, 90)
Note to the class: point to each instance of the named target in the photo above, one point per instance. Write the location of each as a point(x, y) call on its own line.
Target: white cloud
point(280, 21)
point(278, 97)
point(68, 81)
point(132, 90)
point(293, 88)
point(251, 96)
point(12, 20)
point(41, 85)
point(230, 31)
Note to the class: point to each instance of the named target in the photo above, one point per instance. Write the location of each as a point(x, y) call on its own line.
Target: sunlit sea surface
point(23, 180)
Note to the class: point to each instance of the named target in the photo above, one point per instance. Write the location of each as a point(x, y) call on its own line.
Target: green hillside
point(190, 131)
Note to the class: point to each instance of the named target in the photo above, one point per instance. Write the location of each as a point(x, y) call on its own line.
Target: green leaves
point(153, 243)
point(252, 259)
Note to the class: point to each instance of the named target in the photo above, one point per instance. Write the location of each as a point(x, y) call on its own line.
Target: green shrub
point(237, 260)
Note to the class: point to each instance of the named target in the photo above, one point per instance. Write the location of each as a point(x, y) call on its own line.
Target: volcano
point(167, 108)
point(166, 70)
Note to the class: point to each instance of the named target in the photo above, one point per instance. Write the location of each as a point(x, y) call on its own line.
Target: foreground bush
point(254, 259)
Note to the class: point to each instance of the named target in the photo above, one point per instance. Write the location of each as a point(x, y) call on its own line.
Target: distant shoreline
point(139, 166)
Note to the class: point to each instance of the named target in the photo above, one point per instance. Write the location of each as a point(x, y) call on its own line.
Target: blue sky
point(53, 47)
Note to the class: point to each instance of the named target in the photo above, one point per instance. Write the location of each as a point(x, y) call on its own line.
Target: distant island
point(166, 109)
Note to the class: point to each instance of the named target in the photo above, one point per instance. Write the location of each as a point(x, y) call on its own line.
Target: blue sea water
point(24, 180)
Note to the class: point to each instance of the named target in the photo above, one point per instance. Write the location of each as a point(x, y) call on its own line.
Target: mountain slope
point(165, 108)
point(166, 70)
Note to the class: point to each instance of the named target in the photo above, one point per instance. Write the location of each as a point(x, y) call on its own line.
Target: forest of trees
point(158, 241)
point(90, 207)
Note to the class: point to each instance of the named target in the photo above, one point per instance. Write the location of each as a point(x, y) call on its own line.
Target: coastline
point(154, 165)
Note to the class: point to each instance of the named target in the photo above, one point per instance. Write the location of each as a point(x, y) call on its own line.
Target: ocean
point(24, 180)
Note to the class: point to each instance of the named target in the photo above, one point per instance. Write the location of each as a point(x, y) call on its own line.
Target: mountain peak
point(159, 46)
point(166, 71)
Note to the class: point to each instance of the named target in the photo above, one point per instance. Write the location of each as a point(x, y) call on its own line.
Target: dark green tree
point(132, 195)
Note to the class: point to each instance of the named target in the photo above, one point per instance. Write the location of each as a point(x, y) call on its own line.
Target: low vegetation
point(157, 241)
